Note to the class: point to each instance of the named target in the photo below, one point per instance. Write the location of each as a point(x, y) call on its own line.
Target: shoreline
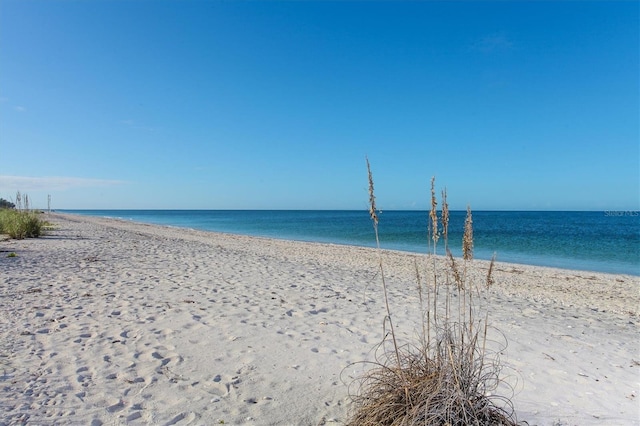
point(109, 320)
point(513, 257)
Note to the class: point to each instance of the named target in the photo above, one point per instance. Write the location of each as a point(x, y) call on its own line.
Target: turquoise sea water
point(591, 241)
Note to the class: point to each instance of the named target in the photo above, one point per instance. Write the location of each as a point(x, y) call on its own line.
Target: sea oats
point(456, 272)
point(445, 219)
point(374, 219)
point(435, 235)
point(372, 198)
point(467, 238)
point(448, 377)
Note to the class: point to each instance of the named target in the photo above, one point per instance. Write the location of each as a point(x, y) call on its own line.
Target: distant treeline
point(4, 204)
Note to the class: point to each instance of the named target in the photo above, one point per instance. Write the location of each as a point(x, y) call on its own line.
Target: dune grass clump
point(448, 376)
point(21, 222)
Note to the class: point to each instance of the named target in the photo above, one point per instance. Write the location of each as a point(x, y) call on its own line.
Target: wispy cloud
point(19, 108)
point(497, 42)
point(57, 183)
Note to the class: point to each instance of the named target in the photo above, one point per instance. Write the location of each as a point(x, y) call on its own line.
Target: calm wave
point(591, 241)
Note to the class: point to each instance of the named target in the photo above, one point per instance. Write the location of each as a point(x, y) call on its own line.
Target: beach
point(105, 321)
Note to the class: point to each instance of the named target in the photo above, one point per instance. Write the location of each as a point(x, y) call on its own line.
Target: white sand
point(111, 322)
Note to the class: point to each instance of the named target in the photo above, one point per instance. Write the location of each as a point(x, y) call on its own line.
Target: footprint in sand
point(118, 406)
point(221, 387)
point(182, 419)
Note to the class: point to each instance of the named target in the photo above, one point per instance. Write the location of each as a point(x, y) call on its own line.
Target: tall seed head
point(445, 217)
point(434, 214)
point(467, 238)
point(456, 272)
point(372, 198)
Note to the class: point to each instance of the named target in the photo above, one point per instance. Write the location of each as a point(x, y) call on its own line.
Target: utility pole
point(49, 203)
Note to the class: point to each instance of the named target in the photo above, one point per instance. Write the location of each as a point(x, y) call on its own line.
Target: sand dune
point(112, 322)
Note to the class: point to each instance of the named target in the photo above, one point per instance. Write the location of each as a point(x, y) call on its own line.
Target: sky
point(202, 104)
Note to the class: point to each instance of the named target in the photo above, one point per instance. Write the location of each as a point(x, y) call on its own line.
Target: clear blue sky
point(260, 105)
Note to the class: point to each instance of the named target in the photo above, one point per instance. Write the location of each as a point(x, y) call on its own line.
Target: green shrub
point(20, 224)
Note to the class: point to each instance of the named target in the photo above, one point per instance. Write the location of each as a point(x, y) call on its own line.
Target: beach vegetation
point(447, 375)
point(12, 254)
point(20, 221)
point(5, 204)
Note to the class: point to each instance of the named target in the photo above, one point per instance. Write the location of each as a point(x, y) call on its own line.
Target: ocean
point(606, 241)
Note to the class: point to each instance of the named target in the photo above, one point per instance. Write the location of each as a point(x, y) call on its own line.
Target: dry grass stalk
point(18, 201)
point(445, 220)
point(489, 276)
point(425, 331)
point(373, 212)
point(445, 379)
point(434, 236)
